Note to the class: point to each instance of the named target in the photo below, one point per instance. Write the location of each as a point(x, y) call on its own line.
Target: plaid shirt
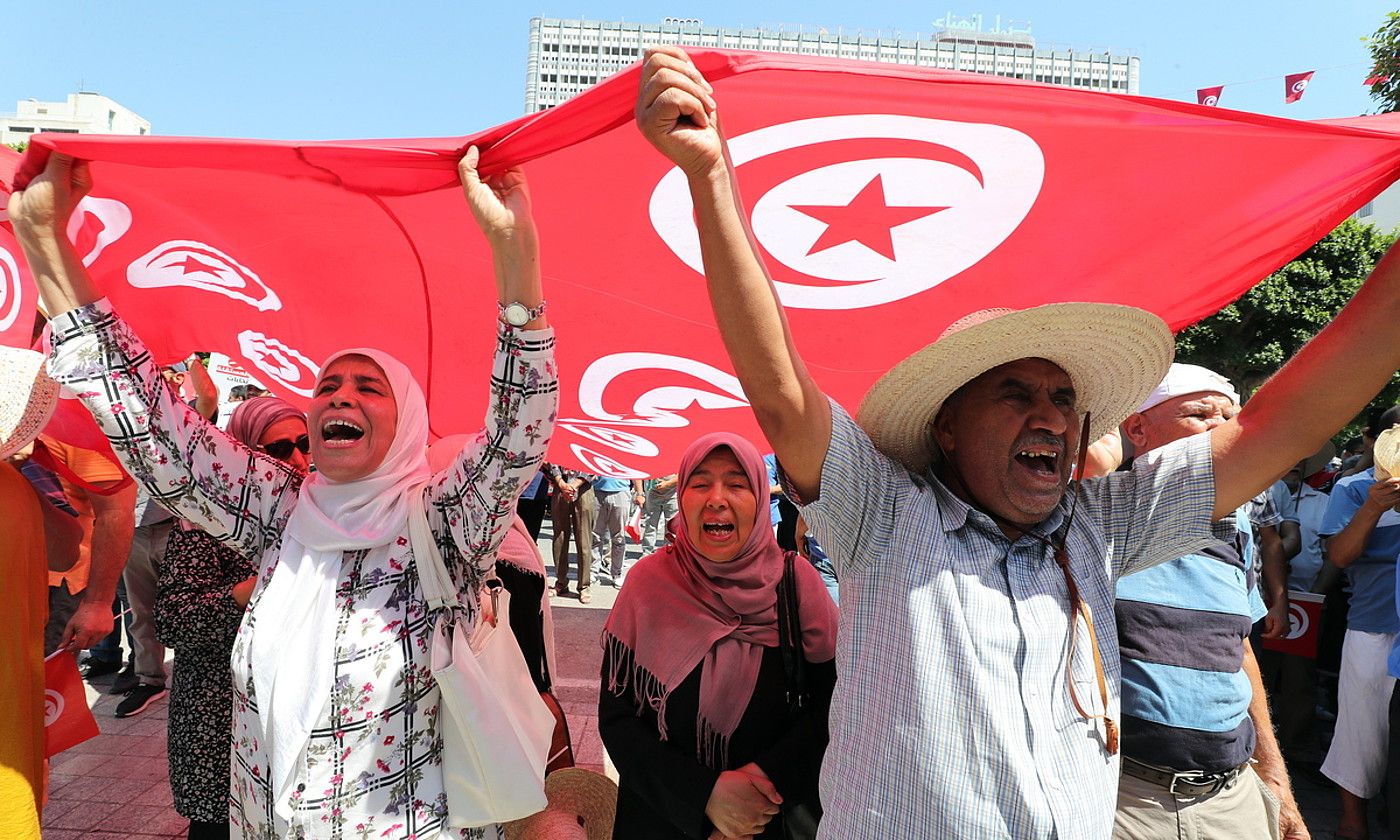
point(951, 717)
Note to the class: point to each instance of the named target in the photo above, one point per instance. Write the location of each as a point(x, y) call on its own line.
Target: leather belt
point(1182, 782)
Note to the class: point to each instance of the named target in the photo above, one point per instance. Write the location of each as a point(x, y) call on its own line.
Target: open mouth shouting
point(341, 434)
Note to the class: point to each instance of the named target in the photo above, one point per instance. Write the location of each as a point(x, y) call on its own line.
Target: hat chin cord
point(1077, 605)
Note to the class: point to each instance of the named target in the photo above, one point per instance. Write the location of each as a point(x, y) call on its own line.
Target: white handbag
point(496, 731)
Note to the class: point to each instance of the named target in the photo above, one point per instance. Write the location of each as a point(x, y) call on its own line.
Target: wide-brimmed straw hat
point(27, 398)
point(582, 806)
point(1115, 355)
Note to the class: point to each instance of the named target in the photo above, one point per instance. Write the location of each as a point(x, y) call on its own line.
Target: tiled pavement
point(117, 786)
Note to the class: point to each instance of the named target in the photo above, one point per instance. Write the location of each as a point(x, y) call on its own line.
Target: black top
point(663, 787)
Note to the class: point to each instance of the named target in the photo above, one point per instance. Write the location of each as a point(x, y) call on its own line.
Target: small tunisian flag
point(1294, 84)
point(67, 719)
point(1377, 79)
point(1304, 624)
point(1209, 96)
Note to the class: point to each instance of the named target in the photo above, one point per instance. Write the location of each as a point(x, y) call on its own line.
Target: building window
point(22, 129)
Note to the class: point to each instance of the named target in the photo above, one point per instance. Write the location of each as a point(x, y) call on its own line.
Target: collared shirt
point(1306, 507)
point(1372, 575)
point(951, 717)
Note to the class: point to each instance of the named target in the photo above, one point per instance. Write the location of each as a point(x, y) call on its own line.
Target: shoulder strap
point(437, 585)
point(790, 637)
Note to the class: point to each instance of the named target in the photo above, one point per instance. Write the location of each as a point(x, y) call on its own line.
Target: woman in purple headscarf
point(202, 588)
point(695, 704)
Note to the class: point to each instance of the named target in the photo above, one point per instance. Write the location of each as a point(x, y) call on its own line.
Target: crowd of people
point(1025, 592)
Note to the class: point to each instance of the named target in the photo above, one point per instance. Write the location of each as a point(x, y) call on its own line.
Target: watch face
point(517, 315)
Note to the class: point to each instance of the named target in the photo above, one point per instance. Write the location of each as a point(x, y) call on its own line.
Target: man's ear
point(1135, 429)
point(940, 431)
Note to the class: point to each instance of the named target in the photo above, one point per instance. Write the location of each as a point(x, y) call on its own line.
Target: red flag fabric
point(1294, 84)
point(1209, 95)
point(1377, 79)
point(889, 201)
point(1304, 625)
point(67, 719)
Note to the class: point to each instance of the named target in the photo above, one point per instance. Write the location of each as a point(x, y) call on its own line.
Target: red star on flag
point(192, 265)
point(868, 219)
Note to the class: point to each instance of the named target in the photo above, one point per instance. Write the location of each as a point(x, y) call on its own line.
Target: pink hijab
point(679, 610)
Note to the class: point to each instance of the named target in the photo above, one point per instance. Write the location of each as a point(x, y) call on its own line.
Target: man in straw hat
point(1195, 713)
point(31, 530)
point(975, 698)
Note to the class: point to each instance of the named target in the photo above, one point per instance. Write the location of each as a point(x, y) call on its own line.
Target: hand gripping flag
point(1209, 95)
point(888, 201)
point(67, 719)
point(1294, 84)
point(1304, 626)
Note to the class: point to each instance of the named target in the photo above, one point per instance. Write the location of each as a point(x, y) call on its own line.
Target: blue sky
point(298, 69)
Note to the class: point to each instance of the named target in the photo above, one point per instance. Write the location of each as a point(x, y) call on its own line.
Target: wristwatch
point(518, 314)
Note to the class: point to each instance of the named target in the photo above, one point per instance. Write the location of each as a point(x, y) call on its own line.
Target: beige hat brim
point(1115, 355)
point(27, 398)
point(573, 790)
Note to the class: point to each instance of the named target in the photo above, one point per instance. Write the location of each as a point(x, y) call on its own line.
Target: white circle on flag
point(973, 217)
point(1297, 621)
point(11, 292)
point(289, 367)
point(1299, 85)
point(53, 706)
point(1211, 100)
point(107, 218)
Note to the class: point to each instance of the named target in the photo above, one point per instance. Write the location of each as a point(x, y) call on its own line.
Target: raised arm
point(181, 459)
point(475, 497)
point(677, 113)
point(1319, 391)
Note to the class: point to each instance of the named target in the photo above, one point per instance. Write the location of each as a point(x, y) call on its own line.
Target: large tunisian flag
point(888, 201)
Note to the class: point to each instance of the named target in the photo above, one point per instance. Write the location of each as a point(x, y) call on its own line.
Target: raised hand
point(500, 204)
point(676, 111)
point(43, 207)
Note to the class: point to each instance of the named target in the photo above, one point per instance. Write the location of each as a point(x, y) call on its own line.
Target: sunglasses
point(282, 449)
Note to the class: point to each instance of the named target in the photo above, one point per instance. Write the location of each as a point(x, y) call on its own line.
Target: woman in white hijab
point(335, 710)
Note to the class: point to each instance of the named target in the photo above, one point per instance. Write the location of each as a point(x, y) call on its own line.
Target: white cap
point(1184, 379)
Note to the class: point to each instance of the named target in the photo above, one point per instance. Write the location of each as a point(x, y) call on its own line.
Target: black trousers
point(1392, 774)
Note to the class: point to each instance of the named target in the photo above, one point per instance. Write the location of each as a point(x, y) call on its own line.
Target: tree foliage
point(19, 147)
point(1384, 44)
point(1251, 338)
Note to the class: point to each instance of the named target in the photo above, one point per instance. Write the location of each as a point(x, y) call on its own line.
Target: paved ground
point(117, 785)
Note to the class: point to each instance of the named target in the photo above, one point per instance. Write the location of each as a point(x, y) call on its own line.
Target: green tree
point(1251, 338)
point(1384, 44)
point(19, 147)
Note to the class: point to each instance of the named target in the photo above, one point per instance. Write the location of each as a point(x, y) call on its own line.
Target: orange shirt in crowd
point(24, 608)
point(95, 469)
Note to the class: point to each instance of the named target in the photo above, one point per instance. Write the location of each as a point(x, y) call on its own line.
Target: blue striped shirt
point(1181, 630)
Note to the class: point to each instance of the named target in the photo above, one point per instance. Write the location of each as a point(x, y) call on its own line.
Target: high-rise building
point(567, 56)
point(82, 113)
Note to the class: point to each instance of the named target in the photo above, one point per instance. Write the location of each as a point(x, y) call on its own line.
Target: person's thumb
point(767, 788)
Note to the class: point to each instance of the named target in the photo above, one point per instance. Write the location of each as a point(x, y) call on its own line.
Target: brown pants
point(1246, 810)
point(576, 519)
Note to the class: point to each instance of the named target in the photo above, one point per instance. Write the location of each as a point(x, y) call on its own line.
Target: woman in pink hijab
point(695, 707)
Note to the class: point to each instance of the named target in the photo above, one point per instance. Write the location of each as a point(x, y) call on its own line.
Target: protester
point(1363, 537)
point(1199, 753)
point(30, 531)
point(335, 713)
point(965, 566)
point(657, 510)
point(81, 597)
point(694, 708)
point(1291, 679)
point(615, 498)
point(572, 509)
point(202, 589)
point(809, 547)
